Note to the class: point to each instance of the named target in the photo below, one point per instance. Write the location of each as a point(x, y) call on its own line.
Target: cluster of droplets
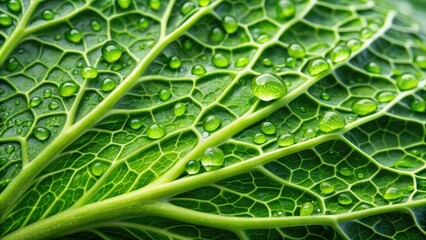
point(15, 7)
point(212, 158)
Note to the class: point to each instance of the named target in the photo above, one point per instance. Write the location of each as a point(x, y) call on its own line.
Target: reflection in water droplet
point(220, 60)
point(95, 25)
point(285, 9)
point(198, 70)
point(192, 167)
point(306, 209)
point(268, 86)
point(73, 35)
point(164, 94)
point(340, 53)
point(111, 51)
point(259, 138)
point(407, 81)
point(179, 109)
point(98, 168)
point(211, 123)
point(89, 73)
point(47, 15)
point(296, 50)
point(318, 66)
point(68, 88)
point(155, 131)
point(212, 158)
point(108, 84)
point(267, 128)
point(326, 188)
point(41, 133)
point(175, 62)
point(330, 121)
point(135, 123)
point(393, 194)
point(230, 24)
point(364, 107)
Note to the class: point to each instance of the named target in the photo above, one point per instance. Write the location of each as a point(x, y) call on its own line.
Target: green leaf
point(223, 119)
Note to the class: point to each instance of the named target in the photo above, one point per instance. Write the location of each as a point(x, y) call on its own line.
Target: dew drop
point(212, 158)
point(216, 35)
point(364, 107)
point(155, 4)
point(220, 60)
point(330, 121)
point(175, 62)
point(267, 128)
point(306, 209)
point(34, 101)
point(54, 105)
point(345, 171)
point(187, 7)
point(89, 73)
point(267, 62)
point(135, 123)
point(421, 61)
point(366, 33)
point(47, 93)
point(192, 167)
point(14, 5)
point(179, 109)
point(95, 25)
point(77, 180)
point(290, 62)
point(344, 199)
point(73, 35)
point(259, 138)
point(198, 70)
point(108, 84)
point(340, 53)
point(9, 149)
point(268, 86)
point(286, 139)
point(203, 3)
point(418, 105)
point(325, 96)
point(155, 131)
point(326, 188)
point(262, 38)
point(143, 23)
point(164, 94)
point(3, 161)
point(5, 20)
point(124, 4)
point(68, 88)
point(285, 9)
point(309, 133)
point(230, 24)
point(98, 168)
point(41, 133)
point(111, 51)
point(318, 66)
point(373, 67)
point(360, 175)
point(384, 97)
point(47, 15)
point(393, 194)
point(296, 50)
point(211, 123)
point(12, 64)
point(242, 62)
point(407, 81)
point(354, 44)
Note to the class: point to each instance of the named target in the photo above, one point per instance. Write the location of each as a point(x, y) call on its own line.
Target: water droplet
point(325, 96)
point(345, 171)
point(220, 60)
point(68, 88)
point(393, 194)
point(5, 20)
point(3, 161)
point(73, 35)
point(340, 53)
point(354, 44)
point(285, 9)
point(418, 105)
point(216, 35)
point(108, 84)
point(290, 62)
point(187, 44)
point(267, 128)
point(296, 50)
point(89, 73)
point(175, 62)
point(77, 180)
point(14, 5)
point(212, 158)
point(47, 15)
point(318, 66)
point(41, 133)
point(262, 38)
point(309, 133)
point(330, 121)
point(34, 101)
point(407, 81)
point(241, 62)
point(111, 51)
point(344, 199)
point(9, 149)
point(98, 168)
point(366, 33)
point(135, 123)
point(80, 65)
point(155, 4)
point(268, 86)
point(198, 70)
point(421, 61)
point(143, 23)
point(278, 214)
point(360, 175)
point(179, 109)
point(95, 25)
point(326, 188)
point(306, 209)
point(259, 138)
point(47, 93)
point(286, 139)
point(266, 62)
point(230, 24)
point(155, 131)
point(192, 167)
point(54, 105)
point(12, 64)
point(211, 123)
point(364, 107)
point(373, 67)
point(164, 94)
point(187, 7)
point(384, 97)
point(58, 37)
point(203, 3)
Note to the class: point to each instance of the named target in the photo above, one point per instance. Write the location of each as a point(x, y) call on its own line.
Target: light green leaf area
point(226, 119)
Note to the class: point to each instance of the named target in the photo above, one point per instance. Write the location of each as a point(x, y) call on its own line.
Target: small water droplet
point(242, 62)
point(41, 133)
point(267, 128)
point(366, 33)
point(135, 123)
point(354, 44)
point(211, 123)
point(98, 168)
point(344, 199)
point(420, 61)
point(54, 105)
point(108, 84)
point(212, 158)
point(268, 86)
point(47, 93)
point(77, 180)
point(345, 171)
point(340, 53)
point(364, 107)
point(12, 64)
point(286, 139)
point(259, 138)
point(373, 67)
point(203, 3)
point(155, 131)
point(290, 62)
point(47, 15)
point(418, 105)
point(144, 23)
point(216, 35)
point(89, 72)
point(68, 88)
point(384, 97)
point(407, 81)
point(360, 175)
point(325, 96)
point(393, 194)
point(14, 6)
point(35, 101)
point(309, 133)
point(198, 70)
point(285, 9)
point(326, 187)
point(164, 94)
point(230, 24)
point(175, 62)
point(330, 121)
point(266, 62)
point(155, 4)
point(187, 7)
point(263, 38)
point(73, 35)
point(111, 51)
point(318, 66)
point(95, 25)
point(220, 60)
point(9, 149)
point(5, 20)
point(296, 50)
point(192, 167)
point(306, 209)
point(179, 109)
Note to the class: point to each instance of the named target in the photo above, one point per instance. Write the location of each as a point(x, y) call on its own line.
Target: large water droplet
point(198, 70)
point(41, 133)
point(111, 51)
point(14, 5)
point(35, 101)
point(259, 138)
point(393, 194)
point(306, 209)
point(89, 73)
point(373, 67)
point(155, 131)
point(318, 66)
point(285, 9)
point(95, 25)
point(296, 50)
point(212, 158)
point(230, 24)
point(330, 121)
point(340, 53)
point(164, 94)
point(5, 20)
point(418, 105)
point(286, 139)
point(211, 123)
point(108, 84)
point(47, 15)
point(364, 107)
point(175, 62)
point(267, 128)
point(155, 4)
point(73, 35)
point(216, 35)
point(135, 123)
point(124, 4)
point(407, 81)
point(268, 86)
point(68, 88)
point(344, 199)
point(187, 7)
point(220, 60)
point(192, 167)
point(179, 109)
point(98, 168)
point(326, 188)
